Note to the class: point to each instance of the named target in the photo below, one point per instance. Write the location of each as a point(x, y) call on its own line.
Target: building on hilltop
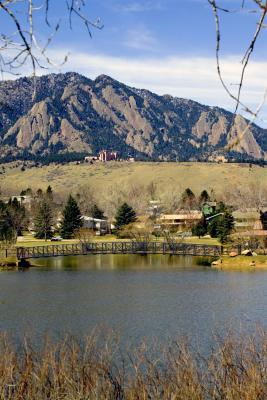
point(220, 159)
point(106, 155)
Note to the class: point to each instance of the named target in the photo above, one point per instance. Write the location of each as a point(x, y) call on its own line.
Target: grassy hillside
point(115, 181)
point(195, 175)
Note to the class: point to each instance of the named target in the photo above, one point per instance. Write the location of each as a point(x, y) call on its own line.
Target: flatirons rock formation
point(71, 113)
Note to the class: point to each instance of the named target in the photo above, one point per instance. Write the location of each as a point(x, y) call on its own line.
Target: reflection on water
point(118, 262)
point(138, 296)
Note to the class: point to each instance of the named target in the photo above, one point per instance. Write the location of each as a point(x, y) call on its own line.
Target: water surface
point(138, 296)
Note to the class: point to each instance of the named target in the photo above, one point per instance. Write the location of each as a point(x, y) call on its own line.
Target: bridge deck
point(117, 248)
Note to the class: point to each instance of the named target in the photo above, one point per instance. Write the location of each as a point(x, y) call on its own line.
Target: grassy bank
point(8, 263)
point(30, 241)
point(242, 263)
point(79, 370)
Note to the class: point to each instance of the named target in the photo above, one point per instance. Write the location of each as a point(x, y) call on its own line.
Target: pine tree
point(200, 229)
point(204, 197)
point(222, 226)
point(125, 215)
point(188, 198)
point(263, 218)
point(7, 232)
point(226, 225)
point(71, 219)
point(39, 193)
point(97, 213)
point(49, 193)
point(44, 220)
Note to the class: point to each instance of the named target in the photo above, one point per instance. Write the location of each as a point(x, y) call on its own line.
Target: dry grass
point(243, 263)
point(166, 176)
point(137, 183)
point(94, 369)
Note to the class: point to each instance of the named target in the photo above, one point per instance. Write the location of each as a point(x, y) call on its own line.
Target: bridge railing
point(133, 247)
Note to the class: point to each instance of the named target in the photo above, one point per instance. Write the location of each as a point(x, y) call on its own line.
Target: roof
point(189, 216)
point(248, 214)
point(253, 233)
point(210, 203)
point(85, 218)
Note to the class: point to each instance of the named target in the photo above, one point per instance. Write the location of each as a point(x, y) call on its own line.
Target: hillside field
point(72, 178)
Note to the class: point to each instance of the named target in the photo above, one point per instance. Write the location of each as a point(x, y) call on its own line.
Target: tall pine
point(125, 215)
point(97, 213)
point(71, 219)
point(44, 220)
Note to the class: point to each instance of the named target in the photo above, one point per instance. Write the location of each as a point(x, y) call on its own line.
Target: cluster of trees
point(13, 219)
point(46, 222)
point(71, 222)
point(219, 224)
point(190, 201)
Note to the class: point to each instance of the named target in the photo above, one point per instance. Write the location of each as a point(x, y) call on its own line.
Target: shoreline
point(242, 262)
point(238, 263)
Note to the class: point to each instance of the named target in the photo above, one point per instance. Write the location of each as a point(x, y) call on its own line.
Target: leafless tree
point(85, 235)
point(260, 7)
point(20, 43)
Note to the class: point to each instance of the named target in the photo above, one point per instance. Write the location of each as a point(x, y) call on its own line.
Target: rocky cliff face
point(70, 113)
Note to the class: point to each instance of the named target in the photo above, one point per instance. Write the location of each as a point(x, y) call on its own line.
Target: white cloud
point(138, 6)
point(140, 38)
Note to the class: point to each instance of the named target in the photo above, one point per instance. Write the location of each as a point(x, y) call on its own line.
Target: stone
point(233, 254)
point(246, 253)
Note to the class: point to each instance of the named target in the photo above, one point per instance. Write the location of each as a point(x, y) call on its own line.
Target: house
point(106, 155)
point(245, 219)
point(184, 219)
point(154, 208)
point(25, 201)
point(209, 208)
point(99, 225)
point(90, 159)
point(218, 159)
point(257, 232)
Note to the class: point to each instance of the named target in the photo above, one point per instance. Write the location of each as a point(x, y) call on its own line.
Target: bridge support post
point(23, 263)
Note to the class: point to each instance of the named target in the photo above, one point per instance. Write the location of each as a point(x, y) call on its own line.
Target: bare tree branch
point(23, 45)
point(262, 8)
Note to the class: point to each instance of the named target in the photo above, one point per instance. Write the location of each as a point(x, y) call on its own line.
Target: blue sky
point(167, 46)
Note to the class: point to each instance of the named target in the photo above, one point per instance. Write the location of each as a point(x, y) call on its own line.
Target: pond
point(138, 296)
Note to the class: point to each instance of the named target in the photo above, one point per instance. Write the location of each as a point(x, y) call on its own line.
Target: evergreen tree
point(71, 219)
point(226, 225)
point(221, 227)
point(204, 197)
point(44, 220)
point(49, 193)
point(263, 218)
point(7, 232)
point(212, 228)
point(125, 215)
point(200, 229)
point(188, 198)
point(39, 193)
point(97, 213)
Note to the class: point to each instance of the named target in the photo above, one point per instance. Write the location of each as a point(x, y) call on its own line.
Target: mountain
point(69, 113)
